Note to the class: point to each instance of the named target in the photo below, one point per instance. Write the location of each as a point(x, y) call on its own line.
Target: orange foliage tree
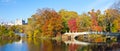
point(95, 26)
point(53, 23)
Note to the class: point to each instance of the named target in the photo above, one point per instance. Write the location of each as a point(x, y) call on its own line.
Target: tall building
point(20, 22)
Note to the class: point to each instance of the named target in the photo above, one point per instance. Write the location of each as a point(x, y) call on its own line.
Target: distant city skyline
point(10, 10)
point(16, 22)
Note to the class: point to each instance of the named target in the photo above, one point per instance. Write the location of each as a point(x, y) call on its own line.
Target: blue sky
point(10, 10)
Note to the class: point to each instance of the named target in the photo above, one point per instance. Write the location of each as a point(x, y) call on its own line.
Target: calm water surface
point(30, 44)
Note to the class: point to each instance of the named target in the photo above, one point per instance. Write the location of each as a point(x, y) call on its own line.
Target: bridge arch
point(73, 35)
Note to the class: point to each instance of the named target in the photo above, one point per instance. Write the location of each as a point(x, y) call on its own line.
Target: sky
point(10, 10)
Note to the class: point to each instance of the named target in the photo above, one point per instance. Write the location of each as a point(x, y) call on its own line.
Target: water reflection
point(7, 41)
point(39, 44)
point(72, 47)
point(13, 46)
point(103, 47)
point(45, 45)
point(33, 44)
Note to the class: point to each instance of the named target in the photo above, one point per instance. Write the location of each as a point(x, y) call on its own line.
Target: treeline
point(8, 32)
point(49, 23)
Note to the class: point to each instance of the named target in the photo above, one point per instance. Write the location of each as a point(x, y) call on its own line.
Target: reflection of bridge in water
point(76, 42)
point(19, 42)
point(22, 35)
point(71, 36)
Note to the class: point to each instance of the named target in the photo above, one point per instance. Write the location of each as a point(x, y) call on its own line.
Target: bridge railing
point(82, 33)
point(85, 33)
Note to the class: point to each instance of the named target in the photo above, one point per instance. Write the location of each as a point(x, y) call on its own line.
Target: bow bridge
point(74, 34)
point(70, 36)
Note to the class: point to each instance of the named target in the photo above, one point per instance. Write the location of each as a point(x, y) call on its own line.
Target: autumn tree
point(45, 22)
point(112, 19)
point(48, 22)
point(66, 16)
point(84, 22)
point(52, 27)
point(72, 25)
point(53, 23)
point(7, 32)
point(31, 28)
point(102, 21)
point(94, 16)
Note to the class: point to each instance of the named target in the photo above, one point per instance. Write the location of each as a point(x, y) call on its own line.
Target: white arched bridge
point(72, 36)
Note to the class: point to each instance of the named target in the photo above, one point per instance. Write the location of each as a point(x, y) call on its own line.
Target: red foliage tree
point(72, 25)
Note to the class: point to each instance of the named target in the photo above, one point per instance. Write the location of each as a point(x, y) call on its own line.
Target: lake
point(32, 44)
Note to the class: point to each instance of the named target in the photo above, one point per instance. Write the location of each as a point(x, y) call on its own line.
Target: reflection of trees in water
point(35, 44)
point(58, 45)
point(104, 47)
point(45, 45)
point(54, 45)
point(73, 47)
point(7, 41)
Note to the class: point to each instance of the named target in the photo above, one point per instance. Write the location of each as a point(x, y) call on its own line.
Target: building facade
point(20, 22)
